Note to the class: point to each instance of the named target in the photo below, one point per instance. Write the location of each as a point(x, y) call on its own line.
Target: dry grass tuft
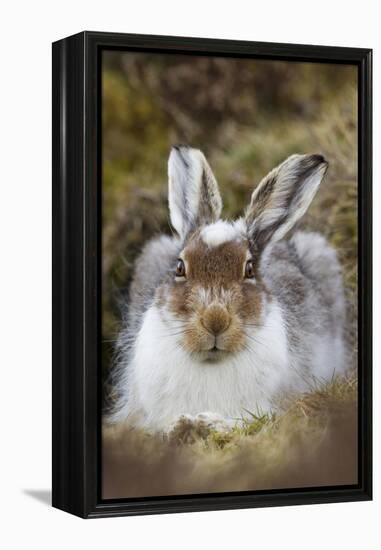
point(312, 443)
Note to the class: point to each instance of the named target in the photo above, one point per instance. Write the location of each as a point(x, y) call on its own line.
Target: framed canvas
point(208, 357)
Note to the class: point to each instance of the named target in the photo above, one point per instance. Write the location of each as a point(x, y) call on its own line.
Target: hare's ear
point(194, 198)
point(282, 197)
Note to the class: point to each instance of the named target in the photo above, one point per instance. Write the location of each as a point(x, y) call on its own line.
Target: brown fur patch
point(220, 265)
point(214, 299)
point(216, 319)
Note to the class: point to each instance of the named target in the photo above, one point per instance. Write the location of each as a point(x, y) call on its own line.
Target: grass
point(312, 442)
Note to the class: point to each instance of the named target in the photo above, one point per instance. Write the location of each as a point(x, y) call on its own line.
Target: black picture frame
point(76, 273)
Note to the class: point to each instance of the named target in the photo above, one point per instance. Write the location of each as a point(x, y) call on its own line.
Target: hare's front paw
point(188, 428)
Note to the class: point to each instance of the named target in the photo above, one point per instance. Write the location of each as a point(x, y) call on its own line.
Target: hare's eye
point(180, 269)
point(249, 270)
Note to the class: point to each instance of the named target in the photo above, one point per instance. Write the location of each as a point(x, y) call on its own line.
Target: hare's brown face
point(215, 292)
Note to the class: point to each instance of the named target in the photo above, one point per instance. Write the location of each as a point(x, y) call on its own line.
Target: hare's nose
point(216, 319)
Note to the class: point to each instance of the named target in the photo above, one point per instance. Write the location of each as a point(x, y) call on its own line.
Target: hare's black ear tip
point(180, 153)
point(180, 146)
point(317, 159)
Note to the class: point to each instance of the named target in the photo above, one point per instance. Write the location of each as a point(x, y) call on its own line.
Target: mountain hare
point(226, 317)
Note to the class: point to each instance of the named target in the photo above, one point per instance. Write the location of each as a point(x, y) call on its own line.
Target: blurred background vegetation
point(247, 116)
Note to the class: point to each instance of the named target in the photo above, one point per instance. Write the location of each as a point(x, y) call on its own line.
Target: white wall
point(27, 29)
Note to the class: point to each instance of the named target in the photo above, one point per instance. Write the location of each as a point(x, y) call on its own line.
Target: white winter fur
point(166, 382)
point(221, 232)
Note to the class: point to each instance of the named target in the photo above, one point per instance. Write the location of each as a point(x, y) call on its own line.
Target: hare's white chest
point(165, 381)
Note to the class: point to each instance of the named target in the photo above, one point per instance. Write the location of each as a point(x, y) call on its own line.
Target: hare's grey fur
point(296, 335)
